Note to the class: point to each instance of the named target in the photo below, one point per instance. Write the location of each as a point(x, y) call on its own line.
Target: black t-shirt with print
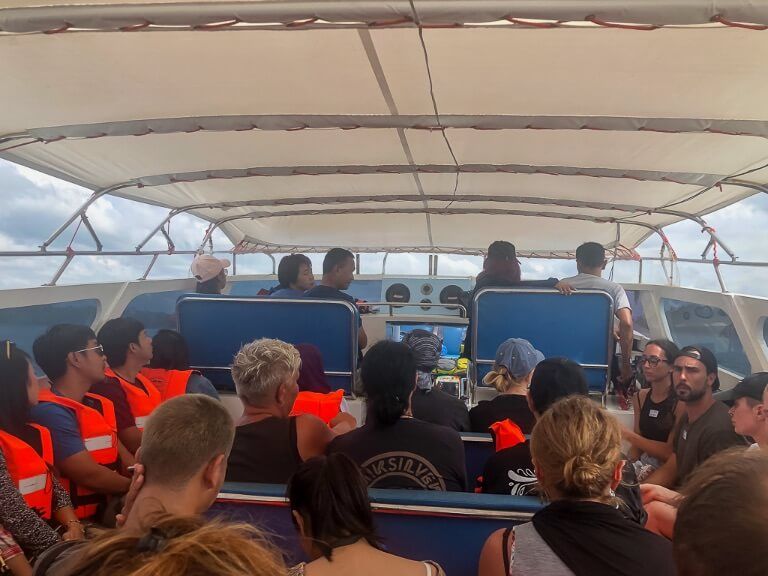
point(409, 454)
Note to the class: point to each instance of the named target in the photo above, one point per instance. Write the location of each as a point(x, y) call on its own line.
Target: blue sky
point(34, 205)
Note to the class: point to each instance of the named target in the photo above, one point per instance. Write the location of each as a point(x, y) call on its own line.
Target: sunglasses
point(652, 360)
point(98, 349)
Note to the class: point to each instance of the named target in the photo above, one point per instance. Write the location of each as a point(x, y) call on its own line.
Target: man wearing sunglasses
point(706, 427)
point(86, 450)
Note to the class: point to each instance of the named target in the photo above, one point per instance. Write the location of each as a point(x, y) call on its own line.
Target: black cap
point(750, 387)
point(706, 357)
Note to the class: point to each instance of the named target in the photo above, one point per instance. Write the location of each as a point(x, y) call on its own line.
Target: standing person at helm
point(210, 273)
point(86, 450)
point(706, 427)
point(128, 349)
point(31, 498)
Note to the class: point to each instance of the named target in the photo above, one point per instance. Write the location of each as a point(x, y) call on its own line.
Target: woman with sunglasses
point(31, 498)
point(656, 409)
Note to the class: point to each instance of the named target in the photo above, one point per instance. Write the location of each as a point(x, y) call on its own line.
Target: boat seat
point(579, 327)
point(215, 327)
point(448, 527)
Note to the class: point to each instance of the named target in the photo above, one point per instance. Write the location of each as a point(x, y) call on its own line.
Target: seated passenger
point(169, 368)
point(656, 409)
point(500, 268)
point(749, 398)
point(749, 414)
point(183, 457)
point(510, 471)
point(394, 449)
point(295, 276)
point(731, 487)
point(590, 263)
point(210, 273)
point(172, 545)
point(269, 444)
point(31, 498)
point(576, 448)
point(338, 273)
point(86, 450)
point(312, 372)
point(330, 508)
point(428, 403)
point(705, 428)
point(511, 376)
point(128, 349)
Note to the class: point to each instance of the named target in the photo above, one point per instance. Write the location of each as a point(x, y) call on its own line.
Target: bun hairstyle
point(576, 446)
point(501, 379)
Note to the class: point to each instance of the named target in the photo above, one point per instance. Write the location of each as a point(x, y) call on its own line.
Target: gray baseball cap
point(518, 356)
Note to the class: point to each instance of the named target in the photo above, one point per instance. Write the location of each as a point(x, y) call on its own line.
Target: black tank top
point(657, 419)
point(264, 451)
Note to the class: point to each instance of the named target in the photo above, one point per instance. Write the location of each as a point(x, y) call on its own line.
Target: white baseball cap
point(206, 267)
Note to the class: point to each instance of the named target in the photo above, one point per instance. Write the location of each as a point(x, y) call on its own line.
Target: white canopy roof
point(400, 126)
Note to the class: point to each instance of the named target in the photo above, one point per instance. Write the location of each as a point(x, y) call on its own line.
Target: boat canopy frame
point(392, 114)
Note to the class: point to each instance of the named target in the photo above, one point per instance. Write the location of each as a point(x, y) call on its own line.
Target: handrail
point(460, 307)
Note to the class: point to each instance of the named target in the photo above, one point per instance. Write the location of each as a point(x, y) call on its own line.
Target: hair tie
point(154, 541)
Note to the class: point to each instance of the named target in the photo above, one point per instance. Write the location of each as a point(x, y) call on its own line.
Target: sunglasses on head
point(652, 360)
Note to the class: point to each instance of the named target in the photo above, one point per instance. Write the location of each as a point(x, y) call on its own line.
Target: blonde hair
point(501, 379)
point(176, 545)
point(183, 435)
point(576, 446)
point(261, 366)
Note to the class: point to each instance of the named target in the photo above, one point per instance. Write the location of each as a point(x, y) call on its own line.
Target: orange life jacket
point(30, 470)
point(506, 434)
point(324, 406)
point(170, 383)
point(141, 403)
point(98, 429)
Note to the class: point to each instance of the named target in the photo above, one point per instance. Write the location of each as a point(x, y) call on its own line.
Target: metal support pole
point(640, 272)
point(274, 264)
point(720, 277)
point(384, 264)
point(156, 229)
point(357, 263)
point(429, 272)
point(80, 211)
point(87, 224)
point(149, 268)
point(234, 263)
point(60, 271)
point(435, 264)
